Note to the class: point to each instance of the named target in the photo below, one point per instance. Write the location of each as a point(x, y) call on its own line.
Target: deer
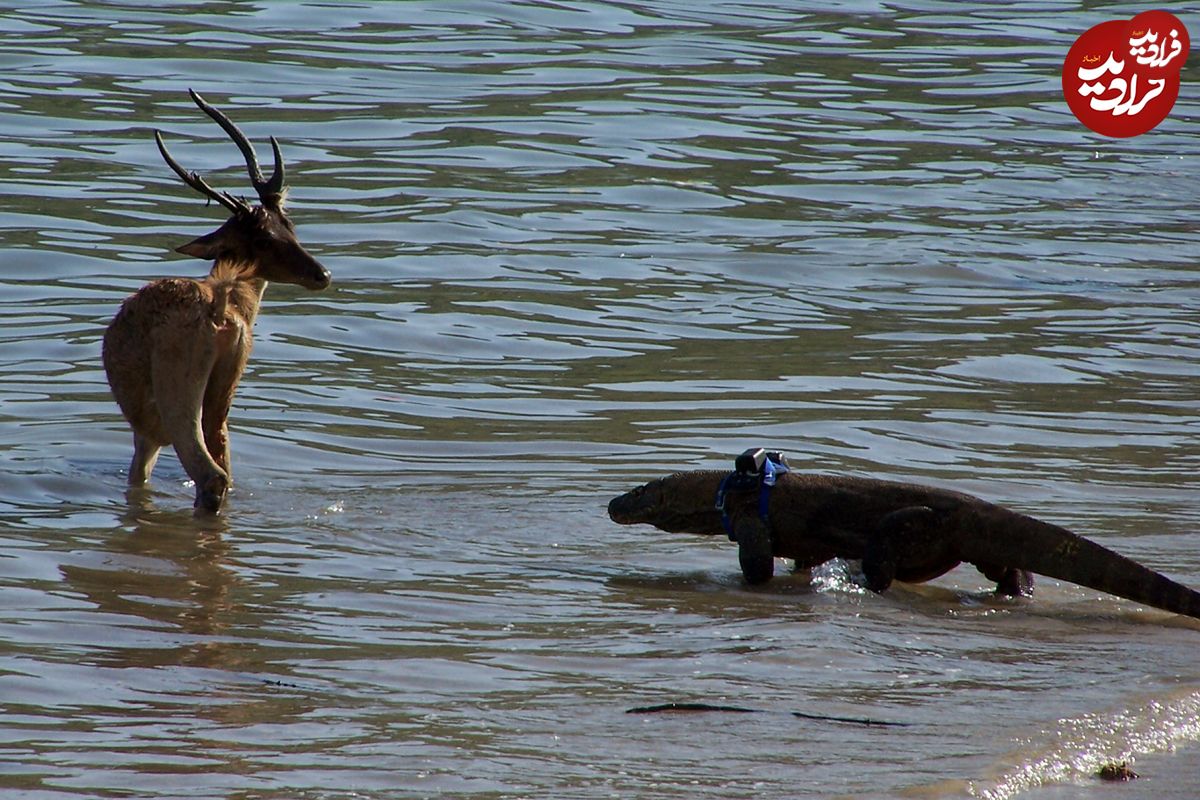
point(176, 349)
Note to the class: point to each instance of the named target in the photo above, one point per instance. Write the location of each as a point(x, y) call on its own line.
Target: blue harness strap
point(741, 481)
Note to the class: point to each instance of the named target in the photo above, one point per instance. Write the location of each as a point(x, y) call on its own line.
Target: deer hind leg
point(180, 376)
point(145, 455)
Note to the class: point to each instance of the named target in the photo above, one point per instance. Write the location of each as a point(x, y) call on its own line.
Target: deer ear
point(206, 247)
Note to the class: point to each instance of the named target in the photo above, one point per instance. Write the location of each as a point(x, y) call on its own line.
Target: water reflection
point(171, 571)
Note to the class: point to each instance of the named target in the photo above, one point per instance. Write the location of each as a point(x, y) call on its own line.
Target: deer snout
point(306, 271)
point(319, 278)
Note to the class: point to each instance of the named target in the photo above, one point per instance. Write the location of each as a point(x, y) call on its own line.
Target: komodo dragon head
point(681, 503)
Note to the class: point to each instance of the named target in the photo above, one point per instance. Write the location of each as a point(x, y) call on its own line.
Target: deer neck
point(236, 289)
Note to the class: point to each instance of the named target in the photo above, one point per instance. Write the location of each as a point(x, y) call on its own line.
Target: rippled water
point(576, 245)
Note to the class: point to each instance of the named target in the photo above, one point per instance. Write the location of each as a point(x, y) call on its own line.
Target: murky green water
point(576, 245)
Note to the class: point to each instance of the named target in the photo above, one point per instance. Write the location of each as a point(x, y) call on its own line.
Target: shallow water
point(575, 246)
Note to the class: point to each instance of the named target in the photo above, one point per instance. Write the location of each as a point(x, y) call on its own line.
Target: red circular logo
point(1121, 78)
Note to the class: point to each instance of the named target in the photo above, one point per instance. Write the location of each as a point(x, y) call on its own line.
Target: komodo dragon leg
point(908, 545)
point(755, 550)
point(1010, 582)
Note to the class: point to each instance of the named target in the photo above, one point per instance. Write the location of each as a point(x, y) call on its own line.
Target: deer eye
point(264, 240)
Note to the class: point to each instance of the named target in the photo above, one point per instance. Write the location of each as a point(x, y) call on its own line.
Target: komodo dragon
point(901, 531)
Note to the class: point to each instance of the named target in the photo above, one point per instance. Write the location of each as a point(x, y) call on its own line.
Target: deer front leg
point(180, 375)
point(233, 344)
point(216, 438)
point(215, 426)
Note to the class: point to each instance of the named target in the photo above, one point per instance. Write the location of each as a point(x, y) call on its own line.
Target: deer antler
point(270, 191)
point(234, 204)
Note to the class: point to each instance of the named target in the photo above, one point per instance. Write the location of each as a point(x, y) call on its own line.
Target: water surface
point(575, 246)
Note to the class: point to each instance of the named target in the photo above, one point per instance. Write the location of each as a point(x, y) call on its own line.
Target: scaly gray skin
point(900, 531)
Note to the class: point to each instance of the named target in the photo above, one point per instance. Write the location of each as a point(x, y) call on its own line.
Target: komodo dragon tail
point(1047, 549)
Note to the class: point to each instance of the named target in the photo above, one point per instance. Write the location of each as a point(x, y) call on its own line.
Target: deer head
point(260, 239)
